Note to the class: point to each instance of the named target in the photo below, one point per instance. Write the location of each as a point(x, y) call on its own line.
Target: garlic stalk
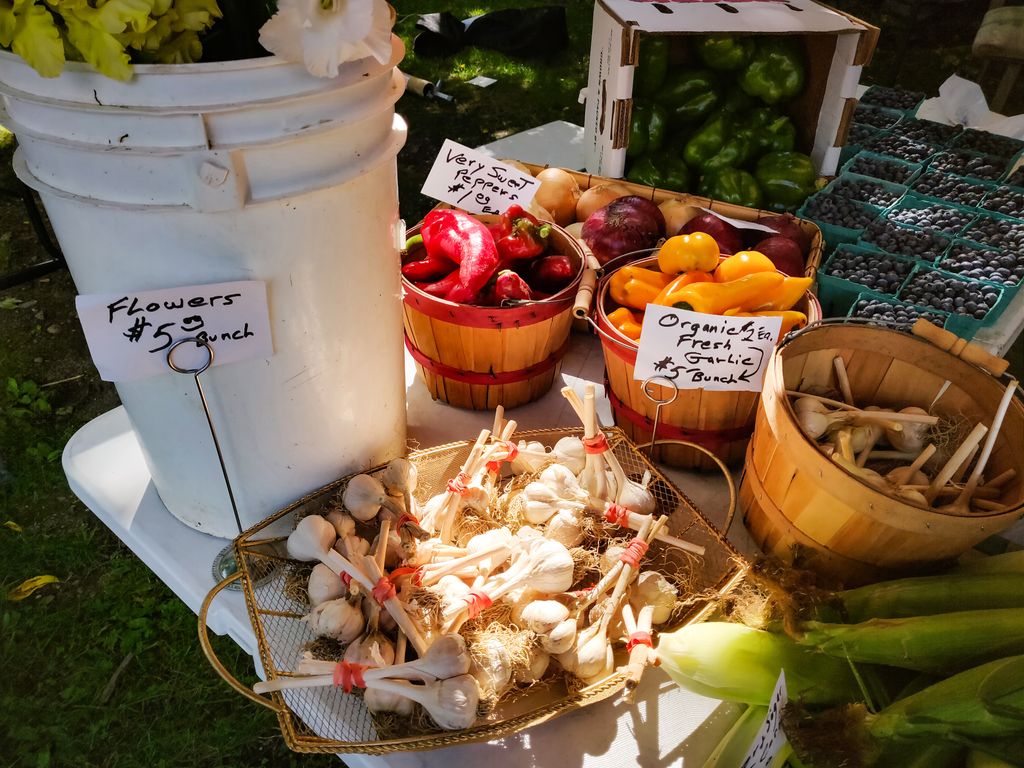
point(458, 487)
point(912, 474)
point(465, 566)
point(399, 478)
point(540, 564)
point(313, 539)
point(379, 585)
point(364, 496)
point(641, 654)
point(530, 457)
point(560, 639)
point(450, 703)
point(541, 502)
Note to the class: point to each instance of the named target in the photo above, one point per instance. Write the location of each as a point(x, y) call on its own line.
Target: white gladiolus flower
point(324, 34)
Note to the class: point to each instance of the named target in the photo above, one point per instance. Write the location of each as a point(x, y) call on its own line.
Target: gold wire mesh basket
point(327, 720)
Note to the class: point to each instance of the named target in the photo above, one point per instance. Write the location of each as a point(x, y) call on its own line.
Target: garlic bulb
point(371, 650)
point(541, 616)
point(491, 667)
point(534, 671)
point(529, 458)
point(399, 477)
point(560, 639)
point(336, 619)
point(912, 437)
point(653, 589)
point(540, 503)
point(565, 528)
point(324, 584)
point(569, 451)
point(352, 547)
point(610, 557)
point(364, 496)
point(562, 482)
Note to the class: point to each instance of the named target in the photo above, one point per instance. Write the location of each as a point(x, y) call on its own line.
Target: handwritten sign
point(698, 351)
point(130, 333)
point(474, 182)
point(771, 737)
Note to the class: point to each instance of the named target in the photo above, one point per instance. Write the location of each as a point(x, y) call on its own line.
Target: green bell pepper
point(773, 132)
point(652, 65)
point(776, 72)
point(737, 149)
point(786, 178)
point(647, 126)
point(725, 52)
point(662, 170)
point(708, 140)
point(737, 101)
point(689, 96)
point(731, 185)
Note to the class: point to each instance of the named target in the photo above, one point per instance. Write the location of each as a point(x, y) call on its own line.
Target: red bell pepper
point(435, 225)
point(509, 285)
point(522, 236)
point(552, 273)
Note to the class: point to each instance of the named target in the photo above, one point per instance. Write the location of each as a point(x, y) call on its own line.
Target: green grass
point(62, 700)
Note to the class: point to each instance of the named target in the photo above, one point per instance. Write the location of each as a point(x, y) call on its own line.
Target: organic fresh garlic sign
point(130, 334)
point(693, 350)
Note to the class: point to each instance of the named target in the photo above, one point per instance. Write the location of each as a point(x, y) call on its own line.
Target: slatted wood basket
point(483, 357)
point(721, 421)
point(803, 508)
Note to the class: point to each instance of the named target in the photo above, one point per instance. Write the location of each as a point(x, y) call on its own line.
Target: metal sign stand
point(224, 564)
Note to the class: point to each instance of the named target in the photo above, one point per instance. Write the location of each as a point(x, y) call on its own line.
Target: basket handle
point(211, 656)
point(965, 350)
point(731, 512)
point(585, 294)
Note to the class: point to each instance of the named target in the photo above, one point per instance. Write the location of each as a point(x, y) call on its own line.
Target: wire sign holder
point(224, 564)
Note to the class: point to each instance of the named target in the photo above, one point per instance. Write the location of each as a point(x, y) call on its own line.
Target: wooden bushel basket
point(483, 357)
point(721, 421)
point(803, 508)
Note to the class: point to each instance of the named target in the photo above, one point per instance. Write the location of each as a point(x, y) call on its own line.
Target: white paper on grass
point(962, 102)
point(771, 738)
point(481, 81)
point(475, 182)
point(693, 350)
point(130, 333)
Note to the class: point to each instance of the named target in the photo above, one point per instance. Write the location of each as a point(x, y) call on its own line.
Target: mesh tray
point(326, 720)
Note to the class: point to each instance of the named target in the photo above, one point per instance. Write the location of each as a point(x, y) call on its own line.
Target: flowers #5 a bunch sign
point(694, 350)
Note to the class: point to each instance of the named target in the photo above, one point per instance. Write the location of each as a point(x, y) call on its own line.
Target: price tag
point(698, 351)
point(474, 182)
point(129, 333)
point(771, 738)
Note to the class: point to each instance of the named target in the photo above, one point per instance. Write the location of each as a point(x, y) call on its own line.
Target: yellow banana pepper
point(741, 264)
point(686, 253)
point(636, 287)
point(626, 322)
point(744, 294)
point(787, 294)
point(790, 318)
point(687, 278)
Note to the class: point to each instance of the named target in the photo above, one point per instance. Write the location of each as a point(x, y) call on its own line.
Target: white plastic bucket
point(172, 180)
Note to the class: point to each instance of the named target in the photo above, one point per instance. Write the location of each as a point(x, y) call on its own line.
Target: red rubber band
point(383, 590)
point(513, 450)
point(616, 514)
point(634, 553)
point(346, 578)
point(494, 467)
point(407, 518)
point(458, 484)
point(477, 603)
point(596, 444)
point(348, 674)
point(639, 638)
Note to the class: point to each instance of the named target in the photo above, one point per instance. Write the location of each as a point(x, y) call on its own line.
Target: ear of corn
point(928, 595)
point(737, 663)
point(940, 643)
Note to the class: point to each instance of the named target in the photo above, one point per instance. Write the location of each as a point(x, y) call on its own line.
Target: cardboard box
point(837, 46)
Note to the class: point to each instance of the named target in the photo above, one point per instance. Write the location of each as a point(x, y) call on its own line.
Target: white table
point(105, 469)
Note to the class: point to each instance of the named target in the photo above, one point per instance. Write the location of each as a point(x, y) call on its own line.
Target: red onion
point(728, 237)
point(626, 224)
point(787, 225)
point(784, 253)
